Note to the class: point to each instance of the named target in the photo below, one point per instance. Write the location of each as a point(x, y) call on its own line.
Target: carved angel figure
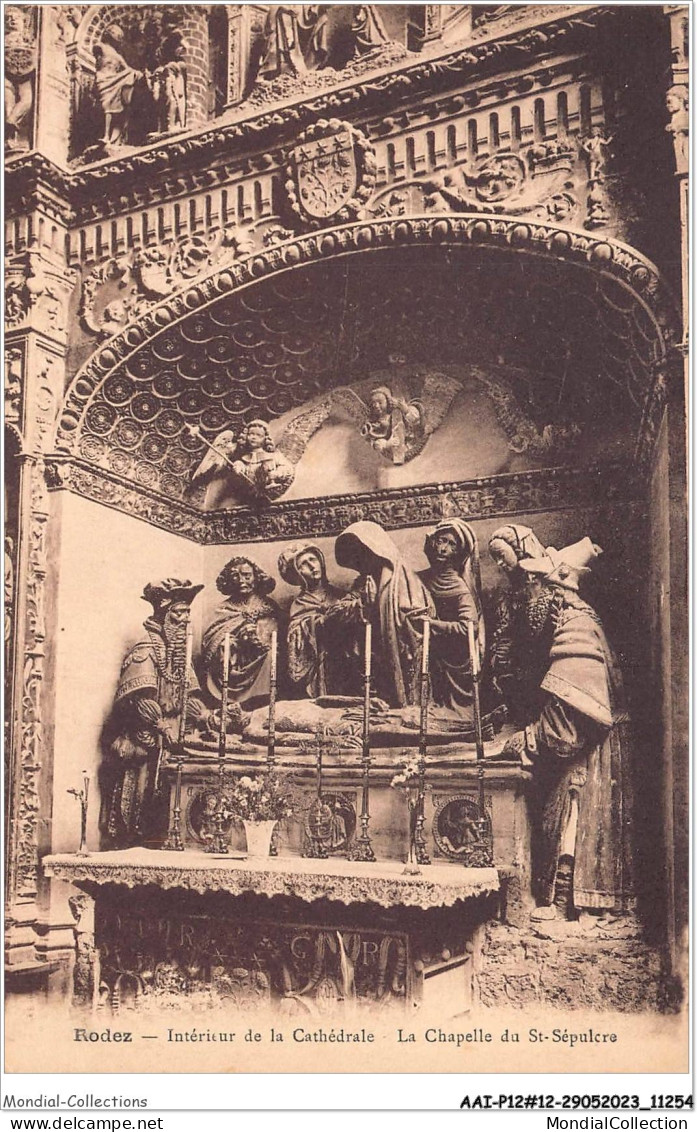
point(395, 427)
point(251, 459)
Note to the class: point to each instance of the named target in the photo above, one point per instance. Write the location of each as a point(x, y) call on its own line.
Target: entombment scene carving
point(342, 338)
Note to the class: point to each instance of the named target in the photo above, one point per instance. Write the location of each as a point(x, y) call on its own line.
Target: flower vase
point(411, 867)
point(259, 834)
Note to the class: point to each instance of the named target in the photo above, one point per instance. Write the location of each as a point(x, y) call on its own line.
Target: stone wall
point(583, 969)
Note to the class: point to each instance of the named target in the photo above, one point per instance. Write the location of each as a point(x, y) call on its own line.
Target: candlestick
point(271, 748)
point(422, 856)
point(188, 656)
point(485, 847)
point(368, 647)
point(173, 840)
point(82, 797)
point(424, 648)
point(219, 843)
point(362, 848)
point(474, 650)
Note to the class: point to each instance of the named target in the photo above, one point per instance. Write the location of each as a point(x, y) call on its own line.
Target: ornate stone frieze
point(144, 169)
point(111, 491)
point(36, 295)
point(536, 180)
point(120, 289)
point(492, 497)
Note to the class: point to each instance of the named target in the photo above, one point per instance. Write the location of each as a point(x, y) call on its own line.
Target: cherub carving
point(395, 426)
point(251, 460)
point(595, 148)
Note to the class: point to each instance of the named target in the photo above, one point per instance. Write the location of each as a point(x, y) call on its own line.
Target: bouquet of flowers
point(407, 780)
point(260, 797)
point(407, 777)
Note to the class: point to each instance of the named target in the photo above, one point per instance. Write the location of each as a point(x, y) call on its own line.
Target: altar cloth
point(347, 882)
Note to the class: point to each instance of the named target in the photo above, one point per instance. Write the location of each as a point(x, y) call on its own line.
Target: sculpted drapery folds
point(452, 579)
point(322, 648)
point(396, 601)
point(295, 39)
point(578, 746)
point(250, 618)
point(512, 651)
point(114, 81)
point(147, 707)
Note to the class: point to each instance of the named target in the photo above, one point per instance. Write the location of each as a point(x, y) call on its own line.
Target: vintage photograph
point(346, 537)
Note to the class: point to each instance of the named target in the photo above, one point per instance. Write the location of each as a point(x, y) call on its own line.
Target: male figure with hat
point(577, 746)
point(146, 714)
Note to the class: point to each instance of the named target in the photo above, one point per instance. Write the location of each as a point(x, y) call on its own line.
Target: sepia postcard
point(346, 538)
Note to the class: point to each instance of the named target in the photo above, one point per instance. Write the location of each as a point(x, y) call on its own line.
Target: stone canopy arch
point(274, 329)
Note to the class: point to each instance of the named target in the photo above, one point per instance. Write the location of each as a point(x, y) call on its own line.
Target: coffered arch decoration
point(275, 330)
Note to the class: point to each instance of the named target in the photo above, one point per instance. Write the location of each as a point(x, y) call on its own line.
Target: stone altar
point(158, 930)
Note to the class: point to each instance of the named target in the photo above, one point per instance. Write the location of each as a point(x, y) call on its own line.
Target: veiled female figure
point(249, 617)
point(322, 647)
point(452, 579)
point(396, 601)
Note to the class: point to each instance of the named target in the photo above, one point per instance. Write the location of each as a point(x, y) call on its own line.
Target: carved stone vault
point(494, 294)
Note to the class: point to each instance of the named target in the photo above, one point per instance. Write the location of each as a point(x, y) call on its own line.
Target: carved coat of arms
point(331, 172)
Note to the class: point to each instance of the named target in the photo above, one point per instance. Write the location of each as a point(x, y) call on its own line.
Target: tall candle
point(424, 652)
point(274, 652)
point(474, 651)
point(367, 658)
point(189, 653)
point(226, 658)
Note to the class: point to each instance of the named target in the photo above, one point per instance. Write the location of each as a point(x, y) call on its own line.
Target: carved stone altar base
point(296, 935)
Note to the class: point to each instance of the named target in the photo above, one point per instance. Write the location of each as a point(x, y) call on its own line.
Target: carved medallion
point(331, 172)
point(461, 832)
point(329, 825)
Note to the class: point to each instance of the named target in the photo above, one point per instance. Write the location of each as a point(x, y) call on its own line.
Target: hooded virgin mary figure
point(395, 601)
point(452, 579)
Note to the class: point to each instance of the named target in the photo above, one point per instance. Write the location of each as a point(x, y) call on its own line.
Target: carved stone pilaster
point(86, 971)
point(244, 24)
point(38, 289)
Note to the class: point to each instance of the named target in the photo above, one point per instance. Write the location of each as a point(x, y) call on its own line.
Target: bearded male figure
point(145, 721)
point(250, 618)
point(577, 747)
point(514, 652)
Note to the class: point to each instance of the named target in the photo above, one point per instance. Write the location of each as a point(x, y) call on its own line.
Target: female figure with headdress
point(513, 651)
point(395, 600)
point(249, 617)
point(321, 649)
point(452, 579)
